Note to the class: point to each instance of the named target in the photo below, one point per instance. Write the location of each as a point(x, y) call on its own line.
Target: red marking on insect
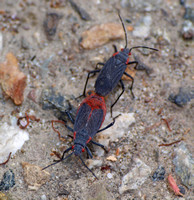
point(114, 54)
point(88, 140)
point(73, 146)
point(127, 61)
point(94, 104)
point(174, 186)
point(74, 135)
point(83, 150)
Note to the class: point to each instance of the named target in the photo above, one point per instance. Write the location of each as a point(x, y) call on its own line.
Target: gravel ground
point(57, 60)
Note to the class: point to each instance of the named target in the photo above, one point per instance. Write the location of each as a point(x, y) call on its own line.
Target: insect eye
point(83, 150)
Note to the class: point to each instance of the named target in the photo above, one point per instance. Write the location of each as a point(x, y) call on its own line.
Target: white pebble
point(109, 175)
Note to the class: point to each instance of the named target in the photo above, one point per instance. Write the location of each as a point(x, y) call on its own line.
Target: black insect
point(90, 116)
point(113, 70)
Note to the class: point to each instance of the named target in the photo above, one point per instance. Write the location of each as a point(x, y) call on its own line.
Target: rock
point(159, 174)
point(12, 80)
point(189, 14)
point(98, 192)
point(43, 197)
point(143, 26)
point(115, 132)
point(24, 43)
point(162, 36)
point(1, 41)
point(63, 191)
point(8, 180)
point(136, 177)
point(141, 5)
point(109, 176)
point(184, 163)
point(52, 99)
point(12, 139)
point(4, 196)
point(183, 97)
point(187, 30)
point(112, 158)
point(50, 24)
point(142, 66)
point(101, 34)
point(91, 163)
point(182, 2)
point(34, 176)
point(82, 13)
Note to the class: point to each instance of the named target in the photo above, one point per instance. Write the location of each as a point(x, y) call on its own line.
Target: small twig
point(6, 160)
point(167, 122)
point(28, 118)
point(59, 134)
point(56, 153)
point(187, 131)
point(166, 145)
point(153, 126)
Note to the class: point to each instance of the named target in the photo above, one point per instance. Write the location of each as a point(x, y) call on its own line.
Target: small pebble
point(187, 30)
point(112, 158)
point(82, 13)
point(143, 26)
point(101, 34)
point(50, 24)
point(184, 163)
point(8, 180)
point(183, 97)
point(189, 14)
point(43, 197)
point(159, 174)
point(34, 176)
point(109, 175)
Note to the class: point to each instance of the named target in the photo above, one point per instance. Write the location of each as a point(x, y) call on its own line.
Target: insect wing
point(95, 122)
point(82, 117)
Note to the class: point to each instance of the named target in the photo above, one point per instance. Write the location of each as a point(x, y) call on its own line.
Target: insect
point(89, 118)
point(112, 71)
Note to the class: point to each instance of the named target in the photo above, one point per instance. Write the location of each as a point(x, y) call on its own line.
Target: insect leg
point(99, 64)
point(89, 152)
point(123, 89)
point(100, 145)
point(131, 88)
point(133, 62)
point(62, 158)
point(106, 127)
point(91, 72)
point(109, 125)
point(67, 150)
point(70, 117)
point(115, 48)
point(87, 167)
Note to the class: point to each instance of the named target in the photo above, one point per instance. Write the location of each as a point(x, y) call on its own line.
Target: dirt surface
point(61, 62)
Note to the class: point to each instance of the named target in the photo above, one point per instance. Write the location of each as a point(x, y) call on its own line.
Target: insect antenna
point(144, 47)
point(87, 167)
point(123, 29)
point(57, 161)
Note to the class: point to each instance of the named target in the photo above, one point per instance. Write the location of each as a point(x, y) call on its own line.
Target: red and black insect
point(112, 71)
point(90, 116)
